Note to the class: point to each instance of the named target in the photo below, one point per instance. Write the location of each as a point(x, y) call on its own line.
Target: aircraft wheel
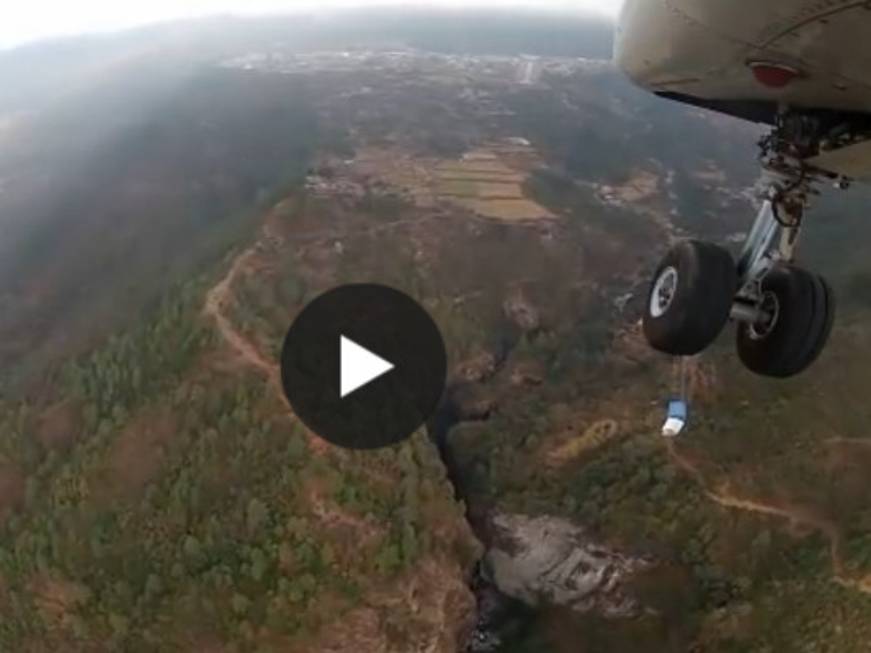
point(690, 298)
point(801, 306)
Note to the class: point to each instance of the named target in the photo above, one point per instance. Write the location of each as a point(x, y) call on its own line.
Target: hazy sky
point(28, 20)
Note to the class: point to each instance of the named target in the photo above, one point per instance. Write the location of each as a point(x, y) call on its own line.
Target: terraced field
point(484, 182)
point(488, 181)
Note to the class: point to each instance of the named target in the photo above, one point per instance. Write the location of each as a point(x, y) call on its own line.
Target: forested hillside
point(171, 197)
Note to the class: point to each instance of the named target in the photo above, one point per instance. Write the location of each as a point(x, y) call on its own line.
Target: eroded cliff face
point(430, 610)
point(549, 560)
point(430, 607)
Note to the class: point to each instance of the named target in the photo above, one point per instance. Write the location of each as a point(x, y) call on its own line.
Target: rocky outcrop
point(522, 312)
point(477, 369)
point(550, 560)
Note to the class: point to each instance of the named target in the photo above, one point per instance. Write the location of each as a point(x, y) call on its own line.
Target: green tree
point(153, 586)
point(409, 544)
point(259, 564)
point(193, 552)
point(389, 558)
point(119, 624)
point(240, 604)
point(256, 515)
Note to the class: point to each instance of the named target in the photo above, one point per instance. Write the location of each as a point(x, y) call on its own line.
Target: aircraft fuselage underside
point(803, 67)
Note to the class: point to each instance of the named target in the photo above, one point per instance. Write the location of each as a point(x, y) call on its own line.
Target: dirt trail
point(333, 516)
point(220, 297)
point(855, 442)
point(799, 516)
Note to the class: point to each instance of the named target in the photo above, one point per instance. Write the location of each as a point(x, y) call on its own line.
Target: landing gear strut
point(784, 313)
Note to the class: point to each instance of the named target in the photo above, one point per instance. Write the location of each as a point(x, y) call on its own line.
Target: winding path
point(220, 297)
point(723, 496)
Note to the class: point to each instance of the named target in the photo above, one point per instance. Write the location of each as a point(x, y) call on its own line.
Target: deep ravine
point(500, 619)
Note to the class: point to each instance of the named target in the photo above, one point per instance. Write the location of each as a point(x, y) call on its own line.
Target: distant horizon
point(93, 18)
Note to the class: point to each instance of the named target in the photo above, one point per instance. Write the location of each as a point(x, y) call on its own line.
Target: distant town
point(426, 66)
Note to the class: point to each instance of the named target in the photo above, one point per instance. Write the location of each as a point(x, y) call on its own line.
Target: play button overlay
point(363, 366)
point(359, 366)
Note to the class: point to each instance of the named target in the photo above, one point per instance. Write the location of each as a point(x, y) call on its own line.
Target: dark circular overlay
point(389, 324)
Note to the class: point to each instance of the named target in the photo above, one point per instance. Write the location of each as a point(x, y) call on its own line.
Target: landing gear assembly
point(784, 314)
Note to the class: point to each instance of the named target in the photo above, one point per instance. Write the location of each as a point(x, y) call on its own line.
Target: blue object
point(677, 409)
point(676, 420)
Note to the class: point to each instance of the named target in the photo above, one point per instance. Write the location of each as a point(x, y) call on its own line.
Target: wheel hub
point(769, 306)
point(664, 291)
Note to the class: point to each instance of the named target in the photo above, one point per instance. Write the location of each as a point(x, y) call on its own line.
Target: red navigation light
point(773, 75)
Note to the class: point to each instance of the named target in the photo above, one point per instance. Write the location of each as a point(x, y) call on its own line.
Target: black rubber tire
point(798, 337)
point(707, 281)
point(822, 340)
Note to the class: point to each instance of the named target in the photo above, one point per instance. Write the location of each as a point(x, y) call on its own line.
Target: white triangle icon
point(359, 366)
